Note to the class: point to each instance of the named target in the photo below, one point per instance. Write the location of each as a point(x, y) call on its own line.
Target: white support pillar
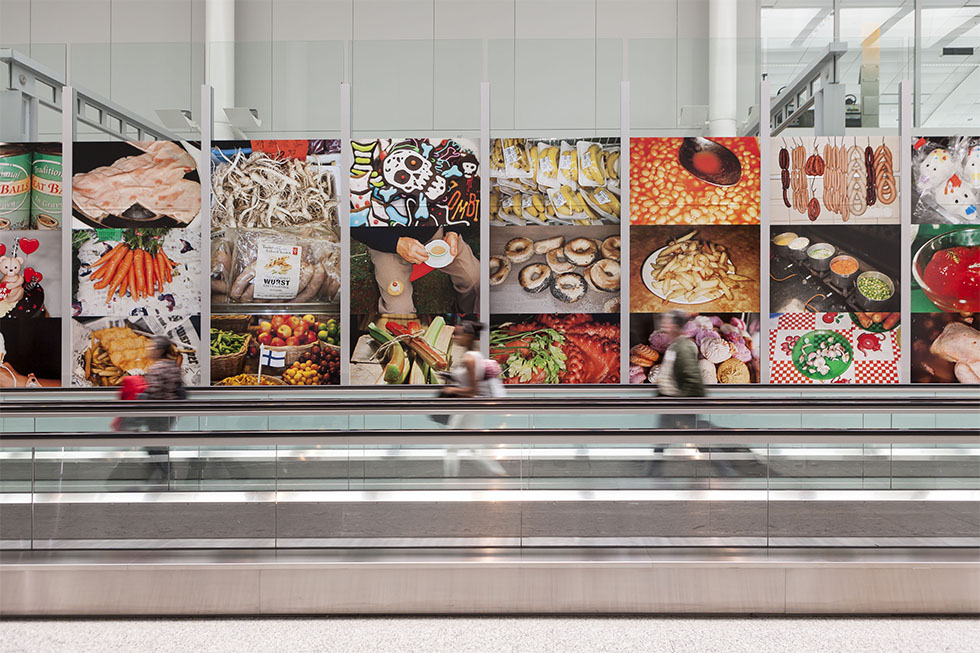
point(219, 63)
point(722, 67)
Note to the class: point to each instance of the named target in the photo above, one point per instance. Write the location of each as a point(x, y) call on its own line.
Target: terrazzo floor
point(492, 634)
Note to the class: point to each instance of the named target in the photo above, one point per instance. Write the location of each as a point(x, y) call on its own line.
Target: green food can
point(15, 187)
point(46, 188)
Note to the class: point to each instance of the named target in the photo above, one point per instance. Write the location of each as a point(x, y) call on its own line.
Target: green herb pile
point(543, 351)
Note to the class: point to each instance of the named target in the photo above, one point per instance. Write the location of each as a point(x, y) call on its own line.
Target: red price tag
point(283, 149)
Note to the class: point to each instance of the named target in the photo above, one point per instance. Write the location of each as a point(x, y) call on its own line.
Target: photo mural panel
point(834, 347)
point(30, 265)
point(728, 346)
point(137, 271)
point(301, 349)
point(30, 352)
point(30, 186)
point(554, 182)
point(400, 349)
point(106, 349)
point(126, 185)
point(835, 268)
point(694, 181)
point(30, 274)
point(707, 269)
point(275, 262)
point(414, 182)
point(400, 270)
point(555, 274)
point(945, 304)
point(550, 349)
point(555, 269)
point(946, 180)
point(834, 180)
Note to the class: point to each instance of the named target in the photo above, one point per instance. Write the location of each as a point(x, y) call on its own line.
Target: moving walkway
point(579, 499)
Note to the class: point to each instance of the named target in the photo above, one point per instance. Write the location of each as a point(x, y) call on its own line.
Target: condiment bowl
point(783, 250)
point(820, 263)
point(866, 302)
point(799, 254)
point(843, 281)
point(961, 238)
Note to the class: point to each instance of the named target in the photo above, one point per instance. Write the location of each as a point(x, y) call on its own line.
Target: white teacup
point(439, 254)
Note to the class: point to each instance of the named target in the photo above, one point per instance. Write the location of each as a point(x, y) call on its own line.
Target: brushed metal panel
point(129, 590)
point(952, 589)
point(510, 589)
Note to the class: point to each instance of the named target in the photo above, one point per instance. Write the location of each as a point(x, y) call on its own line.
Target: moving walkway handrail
point(431, 405)
point(691, 437)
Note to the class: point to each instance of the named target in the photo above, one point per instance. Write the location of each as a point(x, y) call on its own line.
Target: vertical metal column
point(916, 69)
point(485, 214)
point(204, 220)
point(343, 215)
point(624, 232)
point(765, 218)
point(68, 133)
point(905, 115)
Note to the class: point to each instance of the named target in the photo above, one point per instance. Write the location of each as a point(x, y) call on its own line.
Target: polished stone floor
point(496, 634)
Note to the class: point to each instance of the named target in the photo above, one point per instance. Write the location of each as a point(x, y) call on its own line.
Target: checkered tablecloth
point(870, 365)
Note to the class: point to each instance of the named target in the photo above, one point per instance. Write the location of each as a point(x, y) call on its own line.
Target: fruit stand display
point(310, 343)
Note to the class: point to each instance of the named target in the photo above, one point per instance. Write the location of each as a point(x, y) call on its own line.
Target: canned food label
point(46, 191)
point(15, 187)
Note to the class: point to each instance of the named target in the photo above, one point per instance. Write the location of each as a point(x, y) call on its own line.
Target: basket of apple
point(297, 334)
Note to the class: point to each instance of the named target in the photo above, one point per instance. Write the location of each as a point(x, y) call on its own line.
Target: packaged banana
point(569, 206)
point(517, 159)
point(568, 166)
point(591, 164)
point(508, 213)
point(509, 186)
point(547, 176)
point(498, 168)
point(612, 168)
point(534, 208)
point(604, 202)
point(494, 202)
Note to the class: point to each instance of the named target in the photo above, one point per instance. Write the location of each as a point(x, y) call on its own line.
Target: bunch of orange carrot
point(140, 271)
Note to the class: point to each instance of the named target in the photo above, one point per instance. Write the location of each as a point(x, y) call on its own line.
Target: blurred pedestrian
point(680, 376)
point(472, 376)
point(163, 383)
point(130, 389)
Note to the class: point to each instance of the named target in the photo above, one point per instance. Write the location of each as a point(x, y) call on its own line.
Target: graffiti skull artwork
point(408, 171)
point(414, 182)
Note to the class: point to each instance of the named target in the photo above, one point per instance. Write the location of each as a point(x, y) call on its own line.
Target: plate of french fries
point(689, 270)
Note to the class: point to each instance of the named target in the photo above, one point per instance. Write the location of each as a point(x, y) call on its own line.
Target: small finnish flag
point(271, 358)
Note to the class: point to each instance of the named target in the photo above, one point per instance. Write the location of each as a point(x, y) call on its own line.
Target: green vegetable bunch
point(543, 352)
point(226, 342)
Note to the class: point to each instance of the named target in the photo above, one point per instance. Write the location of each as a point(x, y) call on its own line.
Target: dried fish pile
point(260, 191)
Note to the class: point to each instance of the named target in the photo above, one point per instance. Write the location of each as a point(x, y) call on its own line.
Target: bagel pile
point(568, 269)
point(554, 182)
